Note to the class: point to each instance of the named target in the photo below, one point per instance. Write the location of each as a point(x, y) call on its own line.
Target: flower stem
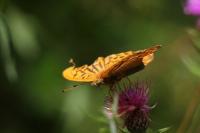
point(112, 123)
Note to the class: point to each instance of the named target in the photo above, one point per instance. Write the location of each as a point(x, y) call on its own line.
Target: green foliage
point(164, 130)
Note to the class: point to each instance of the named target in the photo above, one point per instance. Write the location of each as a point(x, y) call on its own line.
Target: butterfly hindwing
point(131, 63)
point(138, 60)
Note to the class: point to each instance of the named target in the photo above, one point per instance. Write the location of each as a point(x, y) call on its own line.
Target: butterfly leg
point(129, 81)
point(112, 89)
point(119, 88)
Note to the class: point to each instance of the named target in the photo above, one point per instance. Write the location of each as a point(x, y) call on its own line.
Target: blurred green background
point(37, 38)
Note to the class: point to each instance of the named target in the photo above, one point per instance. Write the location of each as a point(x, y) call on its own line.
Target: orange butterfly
point(108, 70)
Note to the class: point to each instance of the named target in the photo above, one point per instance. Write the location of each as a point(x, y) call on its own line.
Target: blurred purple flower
point(133, 107)
point(192, 7)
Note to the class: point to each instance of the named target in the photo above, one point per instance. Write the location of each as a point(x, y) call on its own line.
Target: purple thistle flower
point(133, 97)
point(192, 7)
point(133, 107)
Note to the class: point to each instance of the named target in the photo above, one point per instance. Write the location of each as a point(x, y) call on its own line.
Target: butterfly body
point(110, 69)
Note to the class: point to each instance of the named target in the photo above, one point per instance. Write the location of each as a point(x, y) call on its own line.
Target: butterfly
point(110, 69)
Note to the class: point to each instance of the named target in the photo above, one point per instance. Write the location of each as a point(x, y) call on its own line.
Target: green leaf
point(162, 130)
point(192, 66)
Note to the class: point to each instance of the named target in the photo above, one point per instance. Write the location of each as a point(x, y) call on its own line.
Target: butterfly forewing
point(81, 74)
point(94, 71)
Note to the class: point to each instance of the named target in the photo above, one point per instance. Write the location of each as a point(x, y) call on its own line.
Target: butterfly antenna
point(70, 88)
point(71, 61)
point(124, 84)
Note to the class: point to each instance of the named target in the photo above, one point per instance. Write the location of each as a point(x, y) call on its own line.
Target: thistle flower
point(192, 7)
point(133, 107)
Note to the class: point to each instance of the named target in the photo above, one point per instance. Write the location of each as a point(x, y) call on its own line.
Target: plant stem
point(189, 112)
point(112, 124)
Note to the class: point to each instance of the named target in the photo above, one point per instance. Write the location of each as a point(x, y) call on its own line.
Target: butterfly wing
point(114, 65)
point(81, 74)
point(134, 61)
